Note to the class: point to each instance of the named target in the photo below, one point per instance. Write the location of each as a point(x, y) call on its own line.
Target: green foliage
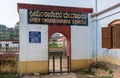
point(8, 36)
point(106, 77)
point(53, 45)
point(99, 65)
point(8, 76)
point(85, 72)
point(111, 71)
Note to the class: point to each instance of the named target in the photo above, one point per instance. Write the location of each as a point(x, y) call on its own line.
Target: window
point(111, 37)
point(106, 37)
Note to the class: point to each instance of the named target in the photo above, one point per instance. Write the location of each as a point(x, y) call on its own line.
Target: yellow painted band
point(33, 66)
point(81, 63)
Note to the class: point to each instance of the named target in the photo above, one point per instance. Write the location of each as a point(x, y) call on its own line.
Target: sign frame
point(57, 17)
point(34, 37)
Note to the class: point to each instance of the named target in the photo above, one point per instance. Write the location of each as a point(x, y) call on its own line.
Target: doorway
point(59, 49)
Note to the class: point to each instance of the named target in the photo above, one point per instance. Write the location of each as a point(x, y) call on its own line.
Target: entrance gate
point(59, 62)
point(57, 58)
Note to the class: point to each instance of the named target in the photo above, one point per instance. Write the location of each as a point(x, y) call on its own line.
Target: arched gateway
point(39, 22)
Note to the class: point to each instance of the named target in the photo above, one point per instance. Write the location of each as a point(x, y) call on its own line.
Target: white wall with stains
point(32, 51)
point(104, 54)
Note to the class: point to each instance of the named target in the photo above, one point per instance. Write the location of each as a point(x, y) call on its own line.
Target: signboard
point(57, 18)
point(34, 37)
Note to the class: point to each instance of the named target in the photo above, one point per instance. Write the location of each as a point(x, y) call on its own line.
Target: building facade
point(88, 32)
point(106, 22)
point(72, 22)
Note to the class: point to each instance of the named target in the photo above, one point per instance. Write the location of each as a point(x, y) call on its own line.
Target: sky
point(8, 8)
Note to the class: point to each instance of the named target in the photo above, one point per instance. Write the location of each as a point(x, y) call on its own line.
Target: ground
point(95, 70)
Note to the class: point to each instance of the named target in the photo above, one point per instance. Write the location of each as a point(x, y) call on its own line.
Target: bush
point(106, 77)
point(111, 71)
point(8, 76)
point(53, 45)
point(99, 65)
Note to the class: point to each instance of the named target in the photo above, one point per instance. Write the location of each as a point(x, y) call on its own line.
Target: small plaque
point(34, 37)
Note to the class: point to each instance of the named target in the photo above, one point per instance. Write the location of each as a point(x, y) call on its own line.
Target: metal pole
point(60, 64)
point(68, 63)
point(96, 32)
point(53, 64)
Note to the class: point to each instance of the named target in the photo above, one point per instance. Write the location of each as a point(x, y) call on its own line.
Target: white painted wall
point(81, 36)
point(32, 51)
point(81, 42)
point(23, 36)
point(102, 21)
point(104, 4)
point(38, 51)
point(85, 40)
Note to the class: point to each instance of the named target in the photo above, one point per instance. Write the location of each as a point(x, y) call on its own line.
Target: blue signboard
point(57, 18)
point(34, 37)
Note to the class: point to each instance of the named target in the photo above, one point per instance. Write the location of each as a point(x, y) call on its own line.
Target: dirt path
point(98, 74)
point(64, 75)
